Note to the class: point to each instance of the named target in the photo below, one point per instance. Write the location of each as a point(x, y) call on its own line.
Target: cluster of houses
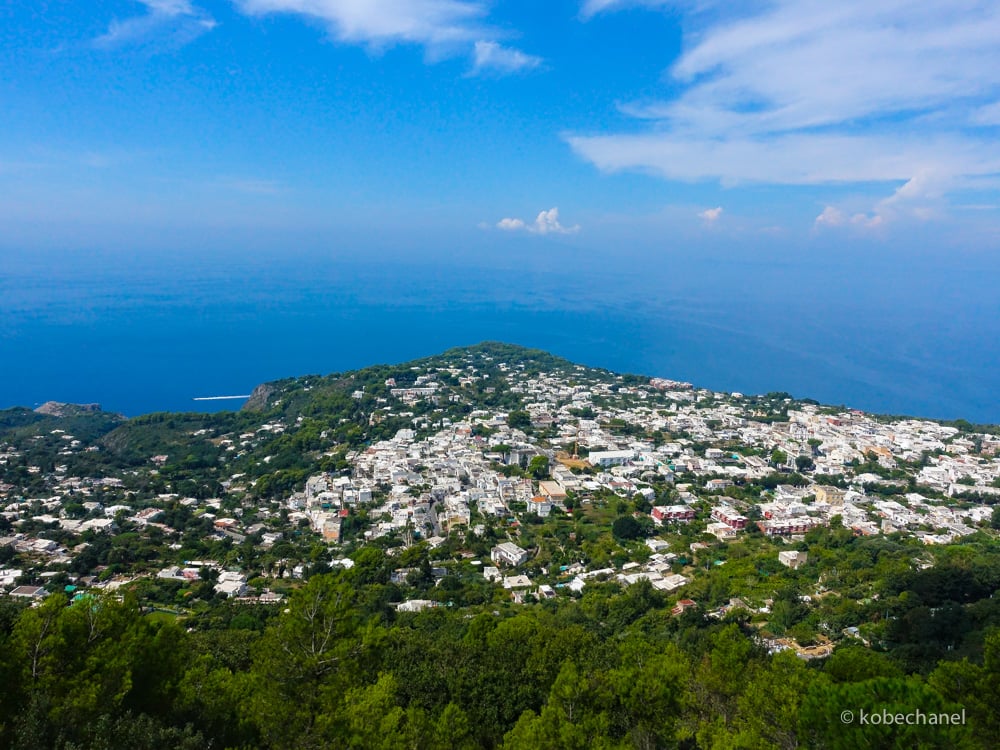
point(599, 435)
point(658, 570)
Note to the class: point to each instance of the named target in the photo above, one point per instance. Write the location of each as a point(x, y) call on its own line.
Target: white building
point(610, 458)
point(231, 583)
point(540, 505)
point(792, 558)
point(508, 553)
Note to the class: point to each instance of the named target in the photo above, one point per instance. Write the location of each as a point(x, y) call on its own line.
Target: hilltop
point(59, 409)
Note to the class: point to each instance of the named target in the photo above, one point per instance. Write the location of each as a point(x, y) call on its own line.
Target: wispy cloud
point(987, 115)
point(811, 92)
point(172, 22)
point(591, 8)
point(547, 222)
point(491, 57)
point(433, 23)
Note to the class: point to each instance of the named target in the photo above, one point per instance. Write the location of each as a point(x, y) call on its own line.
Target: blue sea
point(140, 333)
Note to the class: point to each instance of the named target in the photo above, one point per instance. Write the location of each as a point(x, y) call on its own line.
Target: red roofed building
point(682, 606)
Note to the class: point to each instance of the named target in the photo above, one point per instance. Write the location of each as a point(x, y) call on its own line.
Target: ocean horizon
point(156, 335)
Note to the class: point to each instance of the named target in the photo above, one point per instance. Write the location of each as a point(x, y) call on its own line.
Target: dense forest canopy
point(337, 667)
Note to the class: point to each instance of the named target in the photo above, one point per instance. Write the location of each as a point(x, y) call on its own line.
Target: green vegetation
point(339, 668)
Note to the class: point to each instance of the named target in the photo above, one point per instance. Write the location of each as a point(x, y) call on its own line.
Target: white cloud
point(432, 23)
point(493, 57)
point(918, 198)
point(591, 8)
point(176, 22)
point(710, 215)
point(547, 222)
point(802, 158)
point(443, 27)
point(510, 225)
point(812, 92)
point(831, 217)
point(170, 7)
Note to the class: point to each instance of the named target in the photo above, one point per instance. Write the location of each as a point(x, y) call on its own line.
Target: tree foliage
point(335, 668)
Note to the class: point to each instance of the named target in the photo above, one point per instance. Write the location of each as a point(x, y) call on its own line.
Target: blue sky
point(381, 125)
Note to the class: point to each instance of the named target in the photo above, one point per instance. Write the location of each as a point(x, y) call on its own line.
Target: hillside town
point(585, 477)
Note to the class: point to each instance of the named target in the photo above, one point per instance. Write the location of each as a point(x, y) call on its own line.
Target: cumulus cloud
point(918, 198)
point(710, 215)
point(810, 92)
point(383, 22)
point(547, 222)
point(831, 217)
point(491, 57)
point(175, 22)
point(511, 225)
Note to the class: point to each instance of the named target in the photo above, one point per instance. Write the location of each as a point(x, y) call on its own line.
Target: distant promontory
point(59, 409)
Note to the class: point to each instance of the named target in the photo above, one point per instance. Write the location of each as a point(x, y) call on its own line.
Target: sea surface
point(141, 334)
